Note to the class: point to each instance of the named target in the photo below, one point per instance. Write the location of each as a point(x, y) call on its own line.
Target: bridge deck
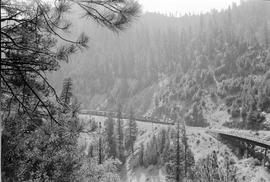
point(256, 141)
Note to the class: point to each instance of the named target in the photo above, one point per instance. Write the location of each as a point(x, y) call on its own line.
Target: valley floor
point(201, 143)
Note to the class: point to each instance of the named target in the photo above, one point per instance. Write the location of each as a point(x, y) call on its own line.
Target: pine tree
point(100, 148)
point(141, 155)
point(163, 141)
point(181, 159)
point(120, 136)
point(75, 106)
point(166, 149)
point(177, 150)
point(131, 132)
point(66, 93)
point(110, 138)
point(147, 155)
point(154, 151)
point(173, 167)
point(209, 169)
point(185, 145)
point(189, 161)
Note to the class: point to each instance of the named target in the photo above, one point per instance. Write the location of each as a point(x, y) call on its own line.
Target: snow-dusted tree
point(110, 138)
point(162, 140)
point(173, 161)
point(166, 149)
point(180, 159)
point(119, 136)
point(66, 93)
point(195, 116)
point(131, 132)
point(177, 177)
point(189, 160)
point(152, 152)
point(105, 172)
point(264, 93)
point(209, 169)
point(146, 155)
point(141, 155)
point(100, 147)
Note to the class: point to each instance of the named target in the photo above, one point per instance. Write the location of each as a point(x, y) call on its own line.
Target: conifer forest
point(135, 91)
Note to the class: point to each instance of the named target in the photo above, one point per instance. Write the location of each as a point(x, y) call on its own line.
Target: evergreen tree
point(264, 93)
point(174, 167)
point(189, 160)
point(131, 132)
point(195, 116)
point(42, 151)
point(166, 149)
point(180, 160)
point(154, 151)
point(141, 155)
point(66, 94)
point(110, 137)
point(209, 169)
point(177, 149)
point(100, 148)
point(147, 155)
point(119, 136)
point(163, 141)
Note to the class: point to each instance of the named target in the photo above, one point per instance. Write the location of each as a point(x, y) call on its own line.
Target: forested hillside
point(190, 94)
point(223, 54)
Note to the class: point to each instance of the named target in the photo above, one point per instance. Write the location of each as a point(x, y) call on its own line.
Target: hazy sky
point(184, 6)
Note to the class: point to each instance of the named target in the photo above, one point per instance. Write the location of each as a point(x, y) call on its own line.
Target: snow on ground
point(201, 143)
point(215, 112)
point(151, 174)
point(249, 170)
point(88, 138)
point(217, 118)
